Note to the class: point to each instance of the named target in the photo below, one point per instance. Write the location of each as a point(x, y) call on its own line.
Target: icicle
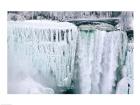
point(47, 45)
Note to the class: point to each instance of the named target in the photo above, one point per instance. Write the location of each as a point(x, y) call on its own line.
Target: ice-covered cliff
point(48, 46)
point(58, 56)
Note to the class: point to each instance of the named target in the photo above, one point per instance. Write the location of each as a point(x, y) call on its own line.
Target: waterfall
point(51, 56)
point(100, 54)
point(48, 46)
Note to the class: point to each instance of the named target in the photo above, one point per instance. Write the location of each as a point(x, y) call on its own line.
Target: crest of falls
point(53, 57)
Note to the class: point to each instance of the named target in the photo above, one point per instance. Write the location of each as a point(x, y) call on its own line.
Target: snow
point(28, 85)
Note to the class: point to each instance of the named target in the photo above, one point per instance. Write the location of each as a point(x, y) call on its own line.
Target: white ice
point(41, 58)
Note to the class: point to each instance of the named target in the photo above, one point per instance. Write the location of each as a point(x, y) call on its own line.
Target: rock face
point(59, 57)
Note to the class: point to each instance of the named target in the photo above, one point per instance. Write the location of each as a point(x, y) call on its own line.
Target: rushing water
point(53, 57)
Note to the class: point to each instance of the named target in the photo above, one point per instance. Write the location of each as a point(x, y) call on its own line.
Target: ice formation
point(53, 55)
point(102, 55)
point(50, 48)
point(125, 85)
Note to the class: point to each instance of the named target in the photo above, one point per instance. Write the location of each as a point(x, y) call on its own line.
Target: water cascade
point(101, 55)
point(48, 46)
point(57, 56)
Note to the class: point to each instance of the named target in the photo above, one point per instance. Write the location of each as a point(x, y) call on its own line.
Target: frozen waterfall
point(48, 46)
point(102, 55)
point(51, 57)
